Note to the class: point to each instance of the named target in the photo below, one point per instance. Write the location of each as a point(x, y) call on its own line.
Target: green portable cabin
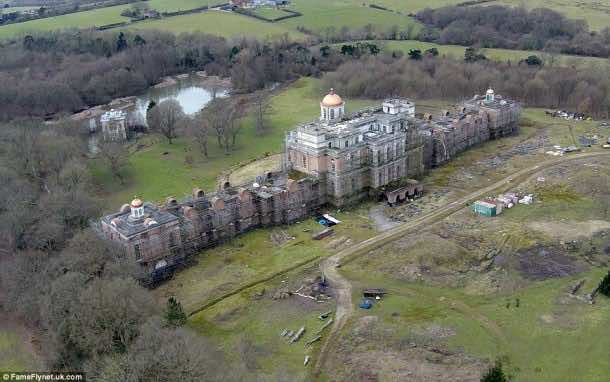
point(484, 208)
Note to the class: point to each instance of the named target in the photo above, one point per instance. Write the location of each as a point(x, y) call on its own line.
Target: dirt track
point(343, 286)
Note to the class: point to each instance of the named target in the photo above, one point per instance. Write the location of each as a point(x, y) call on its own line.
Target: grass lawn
point(13, 354)
point(270, 13)
point(153, 175)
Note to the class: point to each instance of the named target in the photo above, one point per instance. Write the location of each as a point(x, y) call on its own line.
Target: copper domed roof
point(136, 203)
point(332, 99)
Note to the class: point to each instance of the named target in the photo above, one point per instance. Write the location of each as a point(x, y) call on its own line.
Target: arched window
point(346, 143)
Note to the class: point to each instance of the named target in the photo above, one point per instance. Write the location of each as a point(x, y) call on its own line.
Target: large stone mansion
point(336, 160)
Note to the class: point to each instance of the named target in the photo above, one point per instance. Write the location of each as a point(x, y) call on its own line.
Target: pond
point(193, 92)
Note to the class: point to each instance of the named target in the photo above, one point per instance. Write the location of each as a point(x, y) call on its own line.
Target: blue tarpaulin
point(366, 304)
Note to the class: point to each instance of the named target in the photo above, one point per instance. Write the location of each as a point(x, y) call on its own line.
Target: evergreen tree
point(174, 314)
point(139, 40)
point(432, 52)
point(121, 43)
point(151, 104)
point(533, 60)
point(415, 54)
point(495, 374)
point(604, 285)
point(473, 55)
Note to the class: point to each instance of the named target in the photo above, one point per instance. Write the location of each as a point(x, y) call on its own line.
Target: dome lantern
point(332, 107)
point(137, 208)
point(489, 96)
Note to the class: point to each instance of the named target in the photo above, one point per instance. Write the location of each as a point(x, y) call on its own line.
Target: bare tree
point(263, 109)
point(162, 354)
point(116, 157)
point(199, 129)
point(166, 118)
point(222, 116)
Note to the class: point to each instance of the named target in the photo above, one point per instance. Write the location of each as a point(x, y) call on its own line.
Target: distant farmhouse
point(258, 3)
point(336, 160)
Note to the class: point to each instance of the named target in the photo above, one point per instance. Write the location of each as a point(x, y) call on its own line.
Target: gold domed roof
point(136, 203)
point(332, 99)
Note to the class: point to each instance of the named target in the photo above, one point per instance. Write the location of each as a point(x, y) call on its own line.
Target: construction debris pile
point(293, 336)
point(313, 289)
point(569, 115)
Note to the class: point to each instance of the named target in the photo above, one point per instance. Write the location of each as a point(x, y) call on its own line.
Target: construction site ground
point(467, 290)
point(453, 280)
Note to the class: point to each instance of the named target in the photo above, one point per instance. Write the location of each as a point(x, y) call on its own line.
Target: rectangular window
point(172, 239)
point(137, 252)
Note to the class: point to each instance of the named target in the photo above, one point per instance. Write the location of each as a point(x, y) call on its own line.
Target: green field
point(220, 23)
point(270, 13)
point(96, 17)
point(154, 175)
point(321, 14)
point(494, 54)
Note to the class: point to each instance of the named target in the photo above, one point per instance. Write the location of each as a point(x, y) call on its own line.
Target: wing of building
point(337, 160)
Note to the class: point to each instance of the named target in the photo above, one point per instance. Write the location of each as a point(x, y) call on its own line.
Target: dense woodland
point(78, 293)
point(586, 89)
point(68, 71)
point(496, 26)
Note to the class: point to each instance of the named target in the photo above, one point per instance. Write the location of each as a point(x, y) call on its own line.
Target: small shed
point(373, 292)
point(484, 208)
